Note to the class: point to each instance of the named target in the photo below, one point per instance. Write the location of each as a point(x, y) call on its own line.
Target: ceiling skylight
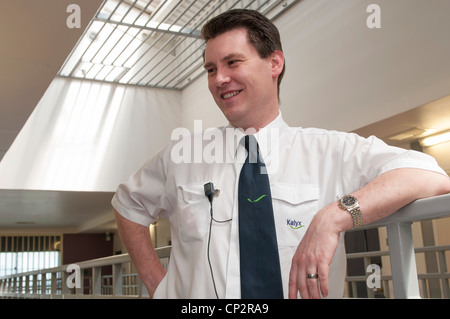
point(153, 43)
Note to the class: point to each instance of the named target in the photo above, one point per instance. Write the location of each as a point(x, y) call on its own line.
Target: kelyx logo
point(294, 224)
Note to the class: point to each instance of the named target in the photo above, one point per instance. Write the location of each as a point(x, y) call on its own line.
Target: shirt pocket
point(192, 212)
point(294, 206)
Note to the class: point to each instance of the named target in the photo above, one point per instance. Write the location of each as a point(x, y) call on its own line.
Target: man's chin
point(234, 116)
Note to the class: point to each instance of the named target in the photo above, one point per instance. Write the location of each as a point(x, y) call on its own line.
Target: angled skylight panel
point(151, 42)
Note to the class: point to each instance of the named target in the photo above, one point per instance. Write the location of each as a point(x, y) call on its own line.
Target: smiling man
point(326, 183)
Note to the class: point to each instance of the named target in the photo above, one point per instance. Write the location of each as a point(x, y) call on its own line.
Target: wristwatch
point(350, 203)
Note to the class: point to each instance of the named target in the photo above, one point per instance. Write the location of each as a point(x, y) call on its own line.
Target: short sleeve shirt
point(308, 169)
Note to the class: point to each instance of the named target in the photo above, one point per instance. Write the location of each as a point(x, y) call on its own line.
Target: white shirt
point(308, 169)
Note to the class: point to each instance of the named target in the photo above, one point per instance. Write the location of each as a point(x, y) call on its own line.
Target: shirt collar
point(267, 137)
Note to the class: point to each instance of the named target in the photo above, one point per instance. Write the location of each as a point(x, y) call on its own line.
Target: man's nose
point(222, 78)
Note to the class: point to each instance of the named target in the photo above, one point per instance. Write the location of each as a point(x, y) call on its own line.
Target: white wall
point(441, 152)
point(356, 75)
point(89, 136)
point(341, 74)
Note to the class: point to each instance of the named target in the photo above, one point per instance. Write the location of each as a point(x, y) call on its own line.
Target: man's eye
point(210, 70)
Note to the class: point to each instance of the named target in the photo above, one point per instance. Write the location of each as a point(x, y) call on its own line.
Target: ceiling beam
point(189, 33)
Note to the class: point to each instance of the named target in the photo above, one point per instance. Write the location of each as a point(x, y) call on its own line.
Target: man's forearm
point(136, 239)
point(391, 191)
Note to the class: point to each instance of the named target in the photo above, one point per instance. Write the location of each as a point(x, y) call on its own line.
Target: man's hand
point(139, 245)
point(314, 254)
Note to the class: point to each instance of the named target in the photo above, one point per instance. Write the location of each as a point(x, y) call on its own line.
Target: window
point(27, 253)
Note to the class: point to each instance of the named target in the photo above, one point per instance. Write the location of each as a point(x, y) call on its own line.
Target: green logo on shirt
point(294, 224)
point(256, 200)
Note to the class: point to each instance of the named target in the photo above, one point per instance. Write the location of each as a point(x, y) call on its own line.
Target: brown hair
point(262, 33)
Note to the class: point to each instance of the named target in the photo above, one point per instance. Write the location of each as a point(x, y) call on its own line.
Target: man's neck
point(255, 124)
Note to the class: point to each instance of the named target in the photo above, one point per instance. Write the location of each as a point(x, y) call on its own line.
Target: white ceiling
point(434, 115)
point(37, 44)
point(45, 211)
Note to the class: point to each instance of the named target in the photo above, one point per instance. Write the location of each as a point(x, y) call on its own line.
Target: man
point(308, 170)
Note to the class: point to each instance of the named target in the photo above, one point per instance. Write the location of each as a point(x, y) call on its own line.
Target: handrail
point(162, 252)
point(442, 274)
point(14, 285)
point(401, 248)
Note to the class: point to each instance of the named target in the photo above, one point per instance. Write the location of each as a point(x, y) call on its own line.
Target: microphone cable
point(210, 192)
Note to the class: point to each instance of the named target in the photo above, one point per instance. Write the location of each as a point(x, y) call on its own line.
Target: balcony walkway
point(85, 280)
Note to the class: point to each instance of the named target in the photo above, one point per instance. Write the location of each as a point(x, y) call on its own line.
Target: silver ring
point(312, 276)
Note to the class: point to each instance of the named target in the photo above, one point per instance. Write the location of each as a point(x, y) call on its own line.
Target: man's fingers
point(293, 289)
point(323, 278)
point(303, 286)
point(312, 283)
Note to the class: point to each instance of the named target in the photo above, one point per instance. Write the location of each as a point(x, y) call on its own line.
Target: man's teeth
point(231, 94)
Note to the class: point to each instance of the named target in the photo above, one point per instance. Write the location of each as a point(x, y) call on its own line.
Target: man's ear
point(277, 60)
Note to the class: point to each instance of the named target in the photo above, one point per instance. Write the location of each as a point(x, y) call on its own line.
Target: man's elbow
point(441, 185)
point(428, 184)
point(446, 186)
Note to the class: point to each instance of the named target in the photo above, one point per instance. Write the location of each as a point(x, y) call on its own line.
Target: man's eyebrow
point(228, 57)
point(207, 65)
point(232, 56)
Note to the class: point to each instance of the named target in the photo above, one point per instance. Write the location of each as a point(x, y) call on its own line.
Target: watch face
point(348, 200)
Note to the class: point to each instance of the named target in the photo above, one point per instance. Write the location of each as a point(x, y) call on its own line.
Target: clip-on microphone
point(210, 192)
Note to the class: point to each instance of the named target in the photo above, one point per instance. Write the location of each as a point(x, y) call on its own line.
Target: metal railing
point(384, 291)
point(404, 275)
point(81, 280)
point(122, 282)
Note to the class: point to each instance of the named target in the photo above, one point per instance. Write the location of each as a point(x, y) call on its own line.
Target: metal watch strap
point(357, 218)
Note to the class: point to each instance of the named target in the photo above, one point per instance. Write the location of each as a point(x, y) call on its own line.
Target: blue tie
point(259, 260)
